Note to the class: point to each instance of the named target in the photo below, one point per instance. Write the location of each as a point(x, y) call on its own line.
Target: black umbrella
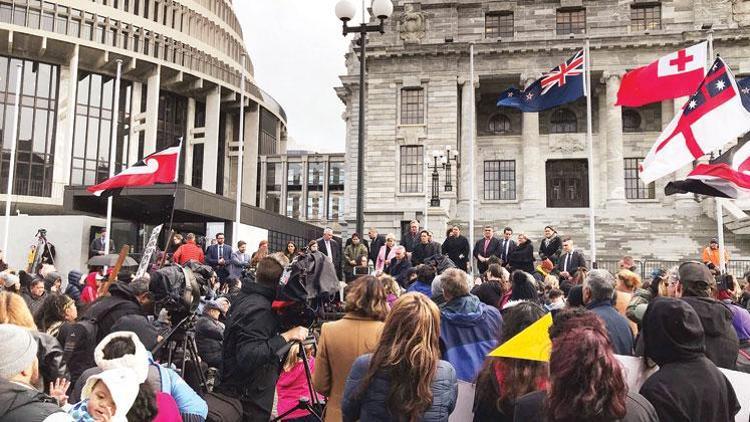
point(110, 261)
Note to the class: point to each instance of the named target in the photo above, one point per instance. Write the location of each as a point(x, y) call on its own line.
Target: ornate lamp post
point(448, 159)
point(439, 161)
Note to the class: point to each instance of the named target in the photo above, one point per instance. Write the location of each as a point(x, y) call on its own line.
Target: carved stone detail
point(413, 24)
point(566, 145)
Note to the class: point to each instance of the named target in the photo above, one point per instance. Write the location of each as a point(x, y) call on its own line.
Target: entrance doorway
point(567, 184)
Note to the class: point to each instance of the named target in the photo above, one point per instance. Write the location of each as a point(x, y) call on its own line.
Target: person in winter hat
point(115, 395)
point(10, 282)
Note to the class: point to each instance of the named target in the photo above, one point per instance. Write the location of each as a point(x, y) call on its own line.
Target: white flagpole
point(472, 128)
point(590, 141)
point(241, 152)
point(718, 201)
point(113, 151)
point(12, 168)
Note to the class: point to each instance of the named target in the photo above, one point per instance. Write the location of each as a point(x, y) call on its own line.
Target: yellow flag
point(532, 343)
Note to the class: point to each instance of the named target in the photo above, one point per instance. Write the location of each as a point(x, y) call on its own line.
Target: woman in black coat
point(551, 246)
point(522, 258)
point(457, 248)
point(209, 335)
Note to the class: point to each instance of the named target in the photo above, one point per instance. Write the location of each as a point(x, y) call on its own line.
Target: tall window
point(315, 206)
point(499, 124)
point(336, 175)
point(634, 187)
point(412, 161)
point(412, 106)
point(267, 140)
point(645, 17)
point(172, 123)
point(274, 177)
point(571, 21)
point(294, 205)
point(500, 180)
point(335, 206)
point(498, 25)
point(631, 121)
point(294, 176)
point(315, 175)
point(563, 120)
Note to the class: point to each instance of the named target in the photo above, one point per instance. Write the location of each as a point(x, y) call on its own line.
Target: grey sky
point(298, 52)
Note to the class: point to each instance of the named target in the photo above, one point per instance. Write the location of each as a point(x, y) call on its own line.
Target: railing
point(645, 267)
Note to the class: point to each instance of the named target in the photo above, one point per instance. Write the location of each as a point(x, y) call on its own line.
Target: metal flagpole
point(113, 151)
point(590, 141)
point(718, 201)
point(241, 152)
point(473, 192)
point(12, 168)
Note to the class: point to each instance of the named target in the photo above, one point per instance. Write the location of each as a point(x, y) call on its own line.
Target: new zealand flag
point(562, 85)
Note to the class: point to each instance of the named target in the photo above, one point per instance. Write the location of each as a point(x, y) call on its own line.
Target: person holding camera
point(253, 345)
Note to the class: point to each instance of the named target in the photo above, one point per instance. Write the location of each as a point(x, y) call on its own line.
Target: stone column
point(66, 117)
point(152, 111)
point(189, 147)
point(615, 158)
point(136, 123)
point(250, 159)
point(263, 179)
point(211, 140)
point(532, 164)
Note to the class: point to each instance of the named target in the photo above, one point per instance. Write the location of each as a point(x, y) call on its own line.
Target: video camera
point(179, 289)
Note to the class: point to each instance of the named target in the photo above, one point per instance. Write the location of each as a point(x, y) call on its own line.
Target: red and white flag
point(672, 76)
point(727, 176)
point(159, 167)
point(713, 116)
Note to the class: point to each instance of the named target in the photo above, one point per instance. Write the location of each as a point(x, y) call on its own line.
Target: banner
point(150, 248)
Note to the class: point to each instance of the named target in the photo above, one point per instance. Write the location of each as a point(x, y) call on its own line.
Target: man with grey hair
point(330, 248)
point(400, 266)
point(598, 291)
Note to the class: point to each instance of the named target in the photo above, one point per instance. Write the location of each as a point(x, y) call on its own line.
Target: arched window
point(563, 121)
point(499, 124)
point(631, 121)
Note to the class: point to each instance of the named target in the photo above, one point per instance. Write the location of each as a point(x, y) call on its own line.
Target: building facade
point(531, 169)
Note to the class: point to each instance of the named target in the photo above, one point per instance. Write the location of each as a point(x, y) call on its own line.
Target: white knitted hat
point(138, 363)
point(17, 350)
point(123, 387)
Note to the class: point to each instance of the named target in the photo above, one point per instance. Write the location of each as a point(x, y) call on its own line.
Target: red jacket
point(187, 252)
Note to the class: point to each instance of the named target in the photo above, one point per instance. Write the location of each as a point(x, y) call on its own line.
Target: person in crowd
point(437, 291)
point(240, 260)
point(189, 251)
point(503, 380)
point(411, 238)
point(90, 291)
point(674, 339)
point(627, 263)
point(392, 289)
point(312, 246)
point(710, 256)
point(551, 246)
point(468, 327)
point(642, 297)
point(132, 298)
point(404, 377)
point(627, 283)
point(586, 381)
point(52, 282)
point(74, 288)
point(550, 283)
point(10, 282)
point(98, 245)
point(507, 245)
point(330, 248)
point(362, 268)
point(259, 254)
point(116, 395)
point(522, 257)
point(456, 246)
point(740, 318)
point(745, 295)
point(35, 296)
point(352, 256)
point(209, 334)
point(555, 301)
point(495, 290)
point(175, 244)
point(696, 284)
point(544, 270)
point(523, 288)
point(218, 257)
point(598, 289)
point(485, 248)
point(574, 299)
point(570, 260)
point(290, 252)
point(252, 353)
point(385, 254)
point(672, 279)
point(376, 244)
point(56, 312)
point(19, 398)
point(425, 249)
point(293, 385)
point(423, 283)
point(400, 266)
point(342, 341)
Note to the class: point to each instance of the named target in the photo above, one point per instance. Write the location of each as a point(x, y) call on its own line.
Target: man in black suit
point(98, 245)
point(570, 260)
point(330, 248)
point(376, 241)
point(219, 256)
point(485, 248)
point(507, 246)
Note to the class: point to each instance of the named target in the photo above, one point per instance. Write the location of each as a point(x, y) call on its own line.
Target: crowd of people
point(416, 322)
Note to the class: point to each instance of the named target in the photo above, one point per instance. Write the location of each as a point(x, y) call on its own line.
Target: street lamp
point(448, 159)
point(345, 10)
point(439, 162)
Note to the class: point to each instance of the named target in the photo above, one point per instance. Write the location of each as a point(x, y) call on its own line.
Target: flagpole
point(241, 152)
point(113, 152)
point(590, 141)
point(174, 198)
point(718, 201)
point(472, 193)
point(11, 169)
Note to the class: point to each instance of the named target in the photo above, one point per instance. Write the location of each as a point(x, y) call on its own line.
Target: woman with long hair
point(503, 380)
point(290, 251)
point(56, 311)
point(586, 381)
point(404, 379)
point(495, 289)
point(342, 341)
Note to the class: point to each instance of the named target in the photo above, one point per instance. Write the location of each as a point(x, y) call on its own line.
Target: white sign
point(150, 248)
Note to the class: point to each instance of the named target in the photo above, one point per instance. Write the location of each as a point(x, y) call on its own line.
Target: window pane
point(634, 187)
point(498, 25)
point(412, 106)
point(500, 180)
point(412, 162)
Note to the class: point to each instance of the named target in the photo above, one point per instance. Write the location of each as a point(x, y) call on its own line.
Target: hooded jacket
point(469, 330)
point(522, 258)
point(22, 403)
point(108, 309)
point(722, 345)
point(73, 289)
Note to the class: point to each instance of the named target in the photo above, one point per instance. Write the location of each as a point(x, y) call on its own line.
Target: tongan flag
point(727, 176)
point(561, 85)
point(712, 116)
point(674, 75)
point(159, 167)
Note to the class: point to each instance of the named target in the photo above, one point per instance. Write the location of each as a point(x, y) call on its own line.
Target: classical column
point(66, 118)
point(189, 147)
point(211, 140)
point(152, 111)
point(136, 123)
point(615, 158)
point(532, 164)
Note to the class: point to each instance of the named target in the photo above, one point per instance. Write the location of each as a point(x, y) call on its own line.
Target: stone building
point(531, 169)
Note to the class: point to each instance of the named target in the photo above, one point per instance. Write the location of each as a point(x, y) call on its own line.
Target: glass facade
point(316, 175)
point(294, 176)
point(267, 139)
point(36, 125)
point(336, 175)
point(315, 206)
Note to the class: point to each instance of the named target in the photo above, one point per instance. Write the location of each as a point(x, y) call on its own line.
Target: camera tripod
point(182, 339)
point(42, 247)
point(312, 404)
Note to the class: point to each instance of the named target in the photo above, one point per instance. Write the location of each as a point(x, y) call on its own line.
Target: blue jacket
point(617, 326)
point(420, 287)
point(188, 401)
point(469, 330)
point(371, 406)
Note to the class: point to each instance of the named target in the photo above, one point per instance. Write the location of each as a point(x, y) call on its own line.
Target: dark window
point(567, 184)
point(499, 124)
point(412, 106)
point(172, 124)
point(336, 176)
point(267, 142)
point(500, 180)
point(498, 25)
point(273, 202)
point(315, 176)
point(274, 176)
point(634, 187)
point(631, 121)
point(571, 21)
point(294, 177)
point(412, 162)
point(645, 17)
point(197, 176)
point(563, 120)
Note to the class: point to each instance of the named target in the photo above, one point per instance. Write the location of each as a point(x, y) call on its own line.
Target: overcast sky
point(298, 52)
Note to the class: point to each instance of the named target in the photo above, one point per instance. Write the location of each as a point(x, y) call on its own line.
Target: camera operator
point(252, 342)
point(132, 298)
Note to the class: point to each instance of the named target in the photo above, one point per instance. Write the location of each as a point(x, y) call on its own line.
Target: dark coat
point(108, 309)
point(335, 251)
point(20, 403)
point(490, 293)
point(371, 406)
point(398, 270)
point(423, 251)
point(617, 327)
point(722, 344)
point(410, 242)
point(493, 249)
point(212, 258)
point(508, 246)
point(531, 407)
point(209, 335)
point(74, 285)
point(251, 350)
point(50, 355)
point(550, 249)
point(522, 258)
point(457, 249)
point(576, 260)
point(375, 245)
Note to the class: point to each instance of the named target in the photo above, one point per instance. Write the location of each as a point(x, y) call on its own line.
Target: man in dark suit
point(507, 246)
point(570, 260)
point(411, 239)
point(376, 241)
point(97, 246)
point(400, 266)
point(485, 248)
point(219, 256)
point(330, 248)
